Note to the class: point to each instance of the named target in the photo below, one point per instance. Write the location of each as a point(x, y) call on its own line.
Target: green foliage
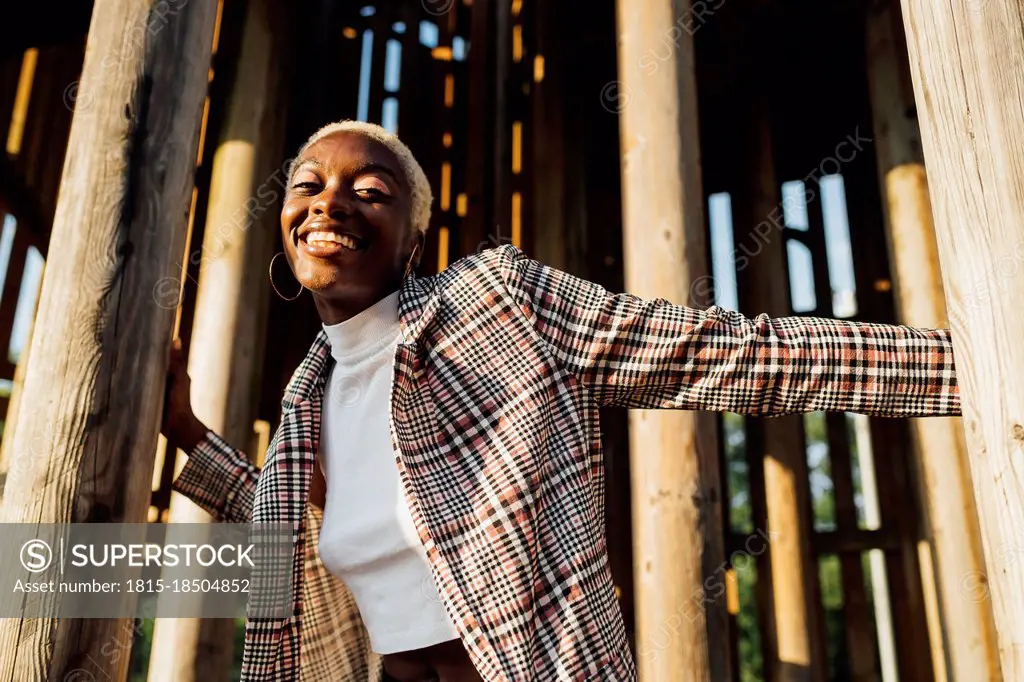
point(750, 654)
point(138, 669)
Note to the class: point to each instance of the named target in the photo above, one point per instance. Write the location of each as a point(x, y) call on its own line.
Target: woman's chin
point(331, 282)
point(324, 282)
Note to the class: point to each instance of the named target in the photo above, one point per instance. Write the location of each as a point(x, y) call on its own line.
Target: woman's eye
point(371, 193)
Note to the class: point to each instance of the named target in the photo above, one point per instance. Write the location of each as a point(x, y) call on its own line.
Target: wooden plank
point(10, 71)
point(94, 383)
point(480, 167)
point(460, 160)
point(48, 122)
point(381, 28)
point(860, 631)
point(547, 140)
point(524, 43)
point(677, 542)
point(889, 438)
point(502, 82)
point(225, 359)
point(765, 592)
point(942, 466)
point(764, 288)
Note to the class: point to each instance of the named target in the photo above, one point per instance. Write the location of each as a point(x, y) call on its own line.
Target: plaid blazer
point(494, 416)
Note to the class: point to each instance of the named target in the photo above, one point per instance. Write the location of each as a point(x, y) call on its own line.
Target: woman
point(452, 422)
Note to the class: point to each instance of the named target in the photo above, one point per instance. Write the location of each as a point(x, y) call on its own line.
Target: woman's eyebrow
point(371, 167)
point(310, 162)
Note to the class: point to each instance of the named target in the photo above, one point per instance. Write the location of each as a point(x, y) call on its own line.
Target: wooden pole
point(942, 460)
point(95, 378)
point(678, 556)
point(548, 142)
point(763, 287)
point(224, 357)
point(965, 58)
point(478, 225)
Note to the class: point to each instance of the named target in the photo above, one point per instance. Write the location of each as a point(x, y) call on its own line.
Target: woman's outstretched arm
point(217, 477)
point(650, 353)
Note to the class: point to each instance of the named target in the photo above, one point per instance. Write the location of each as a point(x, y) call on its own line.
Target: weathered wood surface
point(967, 630)
point(225, 353)
point(91, 408)
point(966, 59)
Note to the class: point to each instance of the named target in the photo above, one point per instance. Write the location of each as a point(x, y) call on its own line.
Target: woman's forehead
point(350, 149)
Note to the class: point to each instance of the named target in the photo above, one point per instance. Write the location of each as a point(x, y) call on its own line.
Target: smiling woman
point(448, 428)
point(354, 217)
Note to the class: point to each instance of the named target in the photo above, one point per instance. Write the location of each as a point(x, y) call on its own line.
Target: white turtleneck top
point(368, 538)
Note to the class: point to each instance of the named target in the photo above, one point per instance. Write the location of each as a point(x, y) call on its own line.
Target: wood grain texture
point(93, 394)
point(225, 355)
point(677, 532)
point(966, 60)
point(967, 631)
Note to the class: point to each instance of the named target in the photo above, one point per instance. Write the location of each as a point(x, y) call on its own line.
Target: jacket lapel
point(283, 486)
point(417, 306)
point(284, 482)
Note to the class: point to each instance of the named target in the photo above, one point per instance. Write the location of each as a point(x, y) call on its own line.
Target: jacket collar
point(417, 306)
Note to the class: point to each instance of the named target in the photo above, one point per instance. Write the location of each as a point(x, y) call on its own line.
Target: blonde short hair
point(419, 188)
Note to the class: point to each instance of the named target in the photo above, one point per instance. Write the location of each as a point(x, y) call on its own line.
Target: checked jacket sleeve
point(651, 353)
point(220, 479)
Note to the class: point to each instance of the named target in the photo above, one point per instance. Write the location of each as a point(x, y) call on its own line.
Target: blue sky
point(837, 240)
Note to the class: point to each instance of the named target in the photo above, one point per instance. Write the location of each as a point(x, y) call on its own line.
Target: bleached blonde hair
point(419, 188)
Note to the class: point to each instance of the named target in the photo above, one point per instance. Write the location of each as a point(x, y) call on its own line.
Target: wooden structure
point(964, 57)
point(674, 453)
point(666, 151)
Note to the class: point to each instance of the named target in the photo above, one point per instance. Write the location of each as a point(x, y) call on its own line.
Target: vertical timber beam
point(940, 449)
point(95, 378)
point(965, 61)
point(763, 287)
point(481, 131)
point(548, 142)
point(224, 357)
point(678, 537)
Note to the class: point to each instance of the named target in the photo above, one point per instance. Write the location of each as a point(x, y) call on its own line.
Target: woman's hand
point(180, 424)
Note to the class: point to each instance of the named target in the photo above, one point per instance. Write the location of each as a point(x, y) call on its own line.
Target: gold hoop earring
point(274, 286)
point(408, 265)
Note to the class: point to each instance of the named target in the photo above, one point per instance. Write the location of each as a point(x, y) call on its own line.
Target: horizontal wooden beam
point(823, 543)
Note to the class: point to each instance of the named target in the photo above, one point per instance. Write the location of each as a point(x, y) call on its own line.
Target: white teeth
point(319, 238)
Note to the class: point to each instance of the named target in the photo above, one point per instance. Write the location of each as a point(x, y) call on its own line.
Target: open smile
point(324, 241)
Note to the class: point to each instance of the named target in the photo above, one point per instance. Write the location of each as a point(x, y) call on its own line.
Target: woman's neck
point(335, 310)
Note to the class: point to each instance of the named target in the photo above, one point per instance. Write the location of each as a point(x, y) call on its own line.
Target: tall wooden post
point(674, 465)
point(941, 452)
point(225, 354)
point(965, 60)
point(95, 378)
point(763, 287)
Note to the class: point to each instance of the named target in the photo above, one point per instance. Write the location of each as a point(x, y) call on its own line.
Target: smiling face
point(346, 223)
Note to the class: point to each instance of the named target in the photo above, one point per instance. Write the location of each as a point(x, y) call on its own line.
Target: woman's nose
point(333, 202)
